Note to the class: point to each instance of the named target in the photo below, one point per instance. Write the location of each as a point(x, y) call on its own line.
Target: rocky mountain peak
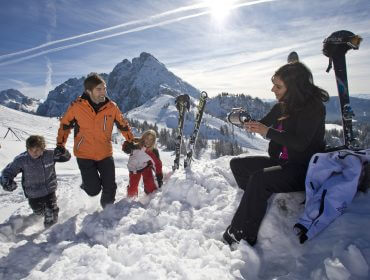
point(130, 84)
point(14, 99)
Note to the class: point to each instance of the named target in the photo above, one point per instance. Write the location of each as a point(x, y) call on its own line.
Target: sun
point(220, 9)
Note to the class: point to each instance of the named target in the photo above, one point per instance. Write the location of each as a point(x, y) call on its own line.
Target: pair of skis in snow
point(335, 47)
point(182, 103)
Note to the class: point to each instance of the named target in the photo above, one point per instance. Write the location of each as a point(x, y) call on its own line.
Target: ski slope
point(162, 111)
point(174, 233)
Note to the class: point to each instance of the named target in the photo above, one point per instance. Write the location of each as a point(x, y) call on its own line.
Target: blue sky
point(216, 45)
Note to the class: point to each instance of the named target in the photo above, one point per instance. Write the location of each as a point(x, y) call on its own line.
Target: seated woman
point(296, 128)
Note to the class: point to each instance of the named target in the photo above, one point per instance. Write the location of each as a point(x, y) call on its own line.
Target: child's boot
point(50, 216)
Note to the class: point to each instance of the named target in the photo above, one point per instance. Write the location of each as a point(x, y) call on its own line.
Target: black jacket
point(303, 132)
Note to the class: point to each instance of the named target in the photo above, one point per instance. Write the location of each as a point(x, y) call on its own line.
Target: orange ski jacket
point(92, 130)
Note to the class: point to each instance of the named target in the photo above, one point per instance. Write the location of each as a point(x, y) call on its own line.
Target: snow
point(174, 233)
point(364, 95)
point(332, 126)
point(162, 111)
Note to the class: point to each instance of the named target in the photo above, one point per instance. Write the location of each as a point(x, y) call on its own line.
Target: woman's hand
point(256, 127)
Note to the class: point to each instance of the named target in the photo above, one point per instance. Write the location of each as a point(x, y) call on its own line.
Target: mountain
point(59, 99)
point(130, 85)
point(161, 110)
point(222, 104)
point(14, 99)
point(360, 106)
point(174, 233)
point(362, 95)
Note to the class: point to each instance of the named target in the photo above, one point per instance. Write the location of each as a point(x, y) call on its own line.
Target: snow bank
point(174, 233)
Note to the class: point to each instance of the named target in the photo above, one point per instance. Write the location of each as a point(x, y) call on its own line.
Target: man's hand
point(127, 147)
point(61, 154)
point(59, 150)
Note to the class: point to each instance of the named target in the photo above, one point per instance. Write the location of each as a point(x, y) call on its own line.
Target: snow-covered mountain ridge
point(161, 110)
point(130, 84)
point(14, 99)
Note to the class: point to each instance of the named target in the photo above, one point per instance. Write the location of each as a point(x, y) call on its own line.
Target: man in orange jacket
point(92, 116)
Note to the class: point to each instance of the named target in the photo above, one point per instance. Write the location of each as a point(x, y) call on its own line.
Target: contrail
point(132, 30)
point(134, 22)
point(100, 38)
point(49, 73)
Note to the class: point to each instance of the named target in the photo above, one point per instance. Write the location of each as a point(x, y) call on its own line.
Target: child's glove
point(8, 185)
point(59, 150)
point(61, 154)
point(159, 179)
point(127, 147)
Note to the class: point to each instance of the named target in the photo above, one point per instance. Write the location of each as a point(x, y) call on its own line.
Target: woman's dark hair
point(92, 81)
point(35, 141)
point(300, 87)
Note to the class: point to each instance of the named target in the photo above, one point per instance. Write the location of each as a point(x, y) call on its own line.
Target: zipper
point(43, 168)
point(105, 122)
point(79, 143)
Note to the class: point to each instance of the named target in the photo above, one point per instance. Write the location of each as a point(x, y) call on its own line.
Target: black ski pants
point(39, 204)
point(260, 177)
point(99, 176)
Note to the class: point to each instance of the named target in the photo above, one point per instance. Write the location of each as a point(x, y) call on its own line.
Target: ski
point(293, 57)
point(335, 47)
point(194, 135)
point(182, 103)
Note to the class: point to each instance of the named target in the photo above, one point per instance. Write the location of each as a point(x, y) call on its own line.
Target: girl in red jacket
point(143, 160)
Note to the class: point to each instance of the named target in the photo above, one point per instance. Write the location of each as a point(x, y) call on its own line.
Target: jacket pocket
point(105, 123)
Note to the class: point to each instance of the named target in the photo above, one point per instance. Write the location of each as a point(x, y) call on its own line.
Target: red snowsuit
point(143, 162)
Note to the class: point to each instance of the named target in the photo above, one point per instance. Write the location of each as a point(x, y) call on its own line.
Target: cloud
point(51, 13)
point(30, 90)
point(49, 73)
point(147, 23)
point(239, 58)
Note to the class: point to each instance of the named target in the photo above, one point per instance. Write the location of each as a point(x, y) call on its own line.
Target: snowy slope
point(332, 126)
point(363, 95)
point(162, 111)
point(172, 234)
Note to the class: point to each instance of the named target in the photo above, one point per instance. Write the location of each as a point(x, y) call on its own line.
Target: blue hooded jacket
point(38, 175)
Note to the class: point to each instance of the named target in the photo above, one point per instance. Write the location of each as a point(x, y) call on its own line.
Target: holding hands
point(127, 147)
point(61, 154)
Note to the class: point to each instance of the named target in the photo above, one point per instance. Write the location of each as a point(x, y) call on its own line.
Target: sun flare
point(220, 9)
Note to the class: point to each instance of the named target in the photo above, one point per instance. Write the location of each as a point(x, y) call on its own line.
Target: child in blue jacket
point(39, 181)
